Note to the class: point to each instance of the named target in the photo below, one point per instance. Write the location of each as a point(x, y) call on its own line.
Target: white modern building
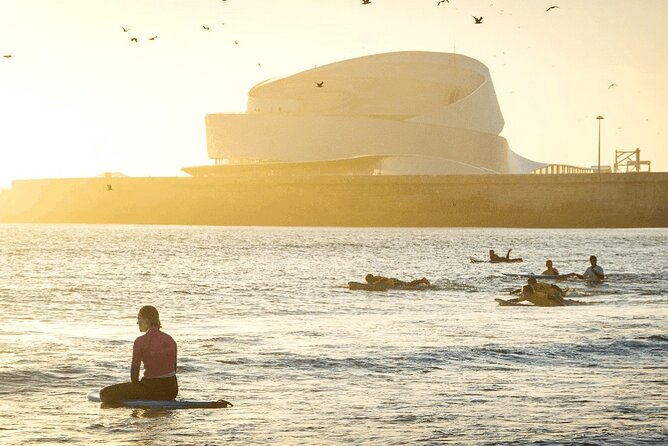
point(401, 113)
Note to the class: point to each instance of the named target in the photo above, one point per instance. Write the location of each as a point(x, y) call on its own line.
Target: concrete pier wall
point(547, 201)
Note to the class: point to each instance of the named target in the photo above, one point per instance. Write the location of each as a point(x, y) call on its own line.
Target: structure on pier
point(625, 159)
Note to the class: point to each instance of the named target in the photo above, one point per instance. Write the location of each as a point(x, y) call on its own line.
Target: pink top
point(157, 350)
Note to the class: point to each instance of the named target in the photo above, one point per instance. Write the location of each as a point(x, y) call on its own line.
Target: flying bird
point(108, 186)
point(319, 84)
point(366, 2)
point(611, 85)
point(153, 38)
point(7, 56)
point(478, 20)
point(442, 1)
point(551, 7)
point(134, 39)
point(125, 29)
point(205, 27)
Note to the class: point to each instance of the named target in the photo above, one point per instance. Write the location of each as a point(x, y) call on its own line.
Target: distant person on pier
point(550, 270)
point(157, 351)
point(495, 258)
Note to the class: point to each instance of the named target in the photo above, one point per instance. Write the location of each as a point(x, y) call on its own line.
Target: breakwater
point(538, 201)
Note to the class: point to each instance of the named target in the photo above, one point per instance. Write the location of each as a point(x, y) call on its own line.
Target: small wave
point(659, 338)
point(452, 285)
point(306, 333)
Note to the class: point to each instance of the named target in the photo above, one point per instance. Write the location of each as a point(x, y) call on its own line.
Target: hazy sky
point(77, 98)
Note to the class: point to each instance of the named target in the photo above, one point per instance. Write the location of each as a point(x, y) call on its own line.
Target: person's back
point(533, 294)
point(157, 350)
point(549, 289)
point(383, 281)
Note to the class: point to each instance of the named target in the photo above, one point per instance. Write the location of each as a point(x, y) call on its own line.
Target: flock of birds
point(477, 21)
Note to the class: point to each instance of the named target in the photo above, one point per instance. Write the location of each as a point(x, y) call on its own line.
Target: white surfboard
point(164, 404)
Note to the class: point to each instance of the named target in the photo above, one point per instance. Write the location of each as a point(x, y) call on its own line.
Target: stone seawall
point(576, 200)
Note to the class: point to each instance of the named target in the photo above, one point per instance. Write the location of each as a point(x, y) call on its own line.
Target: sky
point(78, 98)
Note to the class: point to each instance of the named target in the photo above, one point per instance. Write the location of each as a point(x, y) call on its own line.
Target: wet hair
point(368, 277)
point(151, 313)
point(548, 261)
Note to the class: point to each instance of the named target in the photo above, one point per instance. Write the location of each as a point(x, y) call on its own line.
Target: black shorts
point(146, 389)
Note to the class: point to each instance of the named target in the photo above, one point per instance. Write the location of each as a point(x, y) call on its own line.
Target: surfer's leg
point(123, 392)
point(161, 388)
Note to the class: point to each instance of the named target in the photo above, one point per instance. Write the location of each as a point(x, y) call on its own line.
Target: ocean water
point(262, 318)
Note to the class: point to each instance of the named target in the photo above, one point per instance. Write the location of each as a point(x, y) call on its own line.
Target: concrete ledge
point(544, 201)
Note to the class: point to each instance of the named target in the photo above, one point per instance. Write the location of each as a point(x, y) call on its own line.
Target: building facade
point(401, 113)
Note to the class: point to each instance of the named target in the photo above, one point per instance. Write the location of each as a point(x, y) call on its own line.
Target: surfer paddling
point(157, 351)
point(495, 258)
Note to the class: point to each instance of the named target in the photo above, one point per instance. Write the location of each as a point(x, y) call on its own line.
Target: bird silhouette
point(236, 42)
point(125, 29)
point(7, 56)
point(366, 2)
point(319, 84)
point(611, 85)
point(205, 27)
point(551, 7)
point(153, 38)
point(478, 20)
point(134, 39)
point(442, 1)
point(108, 186)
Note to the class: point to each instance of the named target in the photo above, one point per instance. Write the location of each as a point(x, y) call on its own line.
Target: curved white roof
point(434, 105)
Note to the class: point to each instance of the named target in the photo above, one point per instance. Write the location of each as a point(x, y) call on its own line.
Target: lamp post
point(599, 118)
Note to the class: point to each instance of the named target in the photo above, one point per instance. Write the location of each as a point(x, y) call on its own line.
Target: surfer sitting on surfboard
point(157, 351)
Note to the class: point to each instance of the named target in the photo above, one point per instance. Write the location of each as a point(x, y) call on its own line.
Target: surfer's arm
point(134, 373)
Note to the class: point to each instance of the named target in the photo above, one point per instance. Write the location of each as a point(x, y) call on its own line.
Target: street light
point(599, 118)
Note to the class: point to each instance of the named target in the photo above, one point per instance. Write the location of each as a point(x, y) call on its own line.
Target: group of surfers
point(550, 295)
point(156, 350)
point(538, 293)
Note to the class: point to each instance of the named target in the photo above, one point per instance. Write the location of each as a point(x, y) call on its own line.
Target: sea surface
point(263, 318)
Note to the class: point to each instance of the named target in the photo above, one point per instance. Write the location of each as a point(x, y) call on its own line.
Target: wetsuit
point(157, 351)
point(594, 273)
point(386, 281)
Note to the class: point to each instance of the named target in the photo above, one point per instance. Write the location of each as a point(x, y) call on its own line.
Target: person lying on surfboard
point(394, 282)
point(495, 258)
point(157, 351)
point(541, 294)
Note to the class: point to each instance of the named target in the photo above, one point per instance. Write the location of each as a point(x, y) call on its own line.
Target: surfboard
point(366, 286)
point(164, 404)
point(507, 303)
point(515, 260)
point(542, 276)
point(372, 287)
